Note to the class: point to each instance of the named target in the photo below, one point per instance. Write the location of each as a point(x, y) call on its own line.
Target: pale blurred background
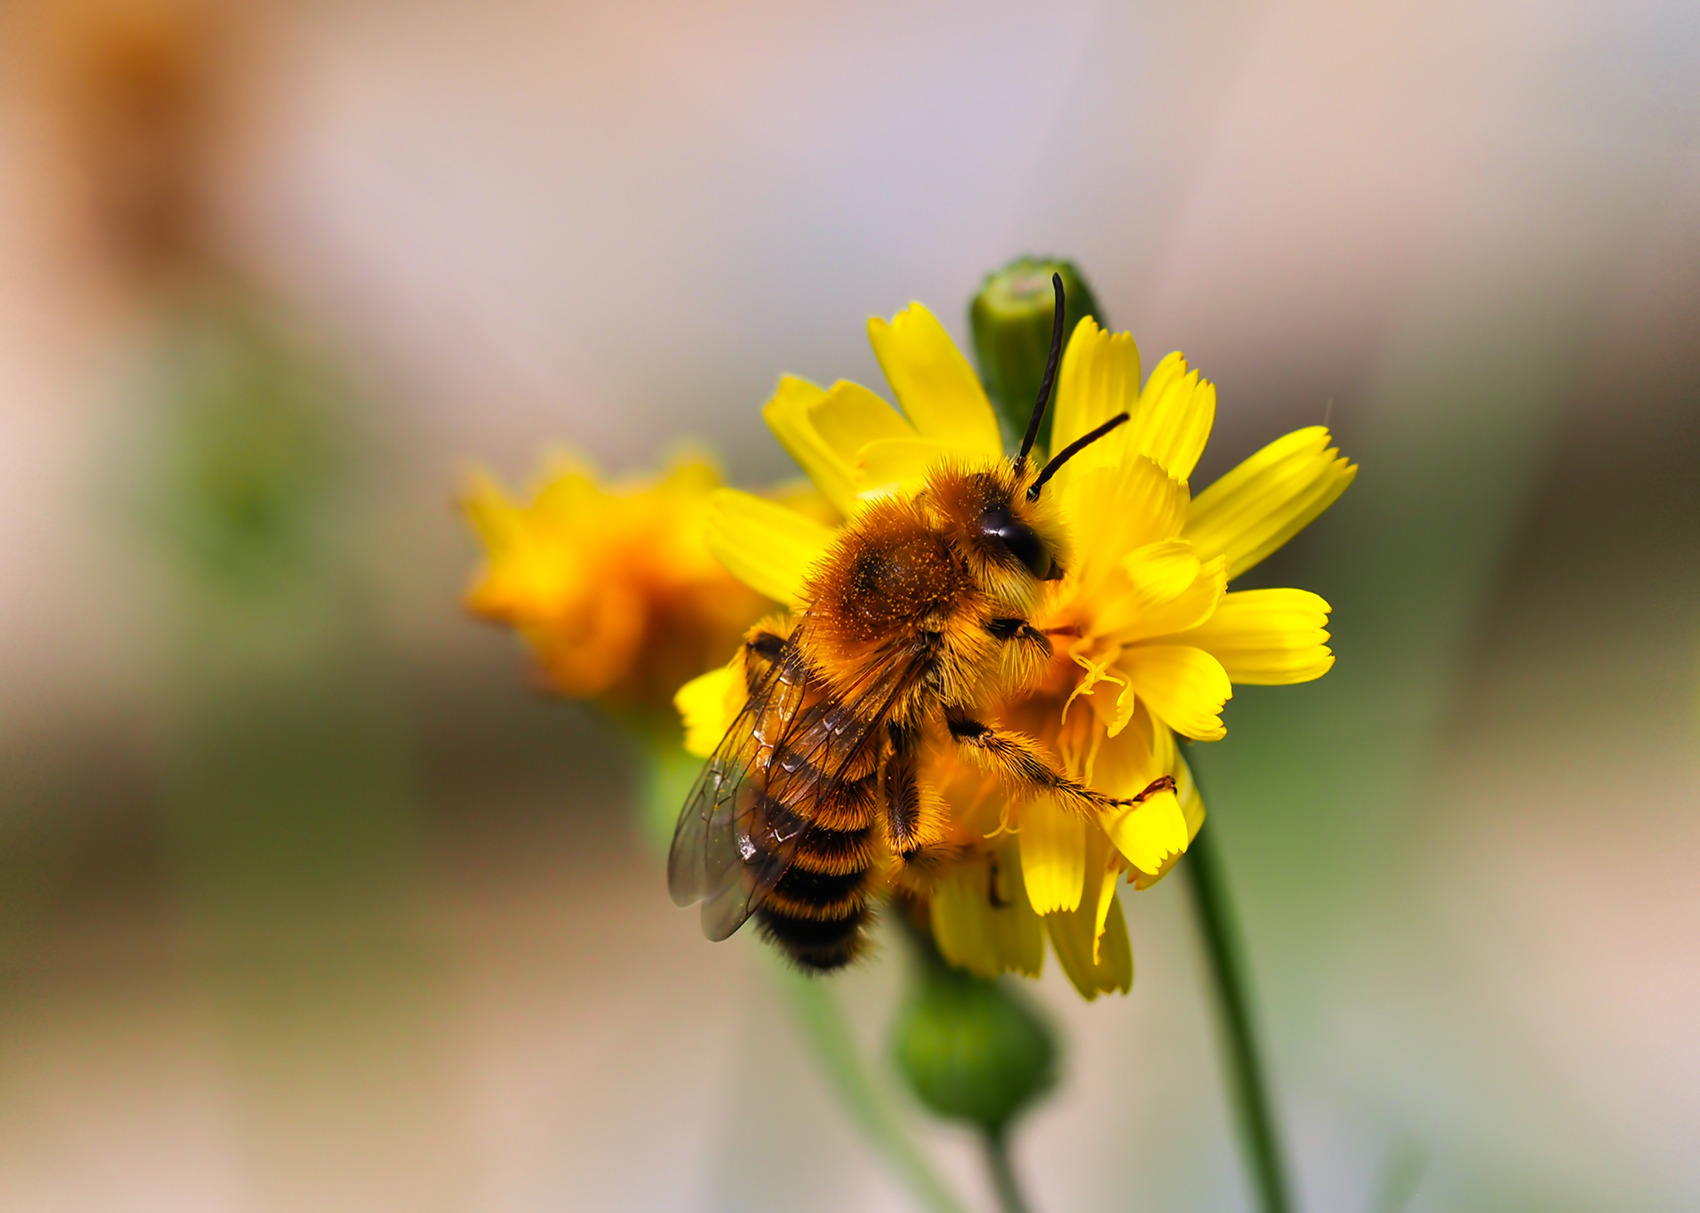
point(309, 901)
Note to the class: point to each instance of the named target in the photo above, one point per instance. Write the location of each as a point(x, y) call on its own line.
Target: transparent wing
point(735, 836)
point(711, 848)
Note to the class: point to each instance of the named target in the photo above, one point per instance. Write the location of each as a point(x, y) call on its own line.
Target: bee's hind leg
point(1017, 760)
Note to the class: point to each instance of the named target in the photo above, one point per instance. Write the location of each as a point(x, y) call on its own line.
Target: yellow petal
point(707, 705)
point(802, 496)
point(1124, 765)
point(787, 415)
point(1166, 590)
point(849, 417)
point(1172, 422)
point(1099, 378)
point(1148, 834)
point(823, 431)
point(488, 508)
point(1091, 942)
point(1184, 687)
point(894, 465)
point(1192, 809)
point(1268, 499)
point(1053, 855)
point(1191, 607)
point(1115, 510)
point(763, 544)
point(1161, 738)
point(934, 383)
point(1267, 637)
point(975, 934)
point(1192, 803)
point(690, 474)
point(1161, 572)
point(1104, 866)
point(569, 486)
point(542, 556)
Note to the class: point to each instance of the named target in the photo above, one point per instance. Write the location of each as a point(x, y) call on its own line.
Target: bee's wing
point(711, 843)
point(729, 850)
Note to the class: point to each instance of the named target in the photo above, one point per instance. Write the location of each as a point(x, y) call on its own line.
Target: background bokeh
point(309, 900)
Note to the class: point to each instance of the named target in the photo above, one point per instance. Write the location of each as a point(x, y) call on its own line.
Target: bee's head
point(1009, 542)
point(1007, 533)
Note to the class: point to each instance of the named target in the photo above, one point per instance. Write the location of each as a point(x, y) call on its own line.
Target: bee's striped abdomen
point(818, 790)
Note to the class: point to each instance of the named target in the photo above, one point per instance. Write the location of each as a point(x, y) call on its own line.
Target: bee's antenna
point(1050, 376)
point(1070, 451)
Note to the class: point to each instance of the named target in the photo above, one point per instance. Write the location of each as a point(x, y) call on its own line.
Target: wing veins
point(731, 874)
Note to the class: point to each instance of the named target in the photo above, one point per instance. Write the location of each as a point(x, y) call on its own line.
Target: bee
point(917, 616)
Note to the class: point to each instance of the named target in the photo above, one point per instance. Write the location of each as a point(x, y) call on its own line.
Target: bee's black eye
point(1015, 535)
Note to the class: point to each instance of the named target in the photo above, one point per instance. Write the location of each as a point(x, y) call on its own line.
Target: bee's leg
point(911, 811)
point(763, 646)
point(1025, 649)
point(1016, 759)
point(900, 790)
point(1019, 630)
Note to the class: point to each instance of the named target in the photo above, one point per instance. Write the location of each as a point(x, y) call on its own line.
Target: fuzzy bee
point(917, 617)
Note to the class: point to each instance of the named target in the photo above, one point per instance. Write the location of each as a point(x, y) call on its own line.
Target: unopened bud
point(1012, 316)
point(972, 1050)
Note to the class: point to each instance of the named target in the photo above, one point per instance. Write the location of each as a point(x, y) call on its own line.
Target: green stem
point(1002, 1168)
point(814, 1004)
point(1246, 1080)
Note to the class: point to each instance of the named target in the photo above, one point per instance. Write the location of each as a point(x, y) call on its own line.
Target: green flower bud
point(972, 1050)
point(1011, 316)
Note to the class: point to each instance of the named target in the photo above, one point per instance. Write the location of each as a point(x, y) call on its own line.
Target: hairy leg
point(1017, 760)
point(1025, 649)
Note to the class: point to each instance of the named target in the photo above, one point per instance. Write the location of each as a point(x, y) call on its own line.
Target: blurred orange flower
point(611, 585)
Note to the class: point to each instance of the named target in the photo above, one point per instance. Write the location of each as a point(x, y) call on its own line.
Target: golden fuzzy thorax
point(918, 569)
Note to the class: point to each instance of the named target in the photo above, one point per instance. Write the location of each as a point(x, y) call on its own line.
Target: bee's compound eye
point(1015, 535)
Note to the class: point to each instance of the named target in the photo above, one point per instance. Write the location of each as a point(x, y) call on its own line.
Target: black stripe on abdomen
point(817, 910)
point(816, 943)
point(801, 893)
point(818, 847)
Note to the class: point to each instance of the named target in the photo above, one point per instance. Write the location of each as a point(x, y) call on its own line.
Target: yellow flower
point(1148, 639)
point(612, 587)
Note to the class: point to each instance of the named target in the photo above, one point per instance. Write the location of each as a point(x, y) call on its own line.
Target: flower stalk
point(973, 1051)
point(1247, 1077)
point(667, 773)
point(1002, 1169)
point(815, 1008)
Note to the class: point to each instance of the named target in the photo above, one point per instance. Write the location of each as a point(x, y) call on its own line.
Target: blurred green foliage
point(252, 445)
point(287, 768)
